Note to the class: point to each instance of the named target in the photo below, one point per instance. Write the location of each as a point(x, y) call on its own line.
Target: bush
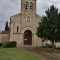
point(48, 45)
point(9, 44)
point(1, 44)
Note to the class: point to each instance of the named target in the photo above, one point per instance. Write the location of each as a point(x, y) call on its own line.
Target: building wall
point(21, 20)
point(4, 38)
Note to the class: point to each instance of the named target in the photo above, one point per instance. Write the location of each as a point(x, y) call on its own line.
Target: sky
point(11, 7)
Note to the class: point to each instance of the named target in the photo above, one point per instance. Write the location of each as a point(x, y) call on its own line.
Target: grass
point(17, 54)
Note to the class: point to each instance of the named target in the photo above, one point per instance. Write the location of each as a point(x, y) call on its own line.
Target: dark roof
point(5, 32)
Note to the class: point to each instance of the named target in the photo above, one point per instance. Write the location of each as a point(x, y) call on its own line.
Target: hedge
point(9, 44)
point(1, 44)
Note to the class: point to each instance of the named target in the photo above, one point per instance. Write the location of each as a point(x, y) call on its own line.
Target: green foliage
point(48, 45)
point(9, 44)
point(49, 27)
point(1, 44)
point(6, 26)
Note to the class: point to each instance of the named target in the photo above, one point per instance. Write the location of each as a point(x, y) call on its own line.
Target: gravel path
point(46, 55)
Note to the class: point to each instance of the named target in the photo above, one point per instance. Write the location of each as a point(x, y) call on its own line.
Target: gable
point(15, 18)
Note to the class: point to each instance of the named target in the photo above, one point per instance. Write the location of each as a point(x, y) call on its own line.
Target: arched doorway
point(27, 37)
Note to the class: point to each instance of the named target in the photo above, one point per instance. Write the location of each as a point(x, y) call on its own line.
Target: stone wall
point(4, 37)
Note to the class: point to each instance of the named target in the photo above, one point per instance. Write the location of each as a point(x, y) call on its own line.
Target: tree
point(49, 27)
point(6, 26)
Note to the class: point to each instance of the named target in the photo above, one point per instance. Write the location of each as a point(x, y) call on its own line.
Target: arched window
point(26, 5)
point(28, 19)
point(31, 5)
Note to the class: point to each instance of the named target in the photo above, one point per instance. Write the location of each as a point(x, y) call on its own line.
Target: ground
point(29, 53)
point(46, 53)
point(17, 54)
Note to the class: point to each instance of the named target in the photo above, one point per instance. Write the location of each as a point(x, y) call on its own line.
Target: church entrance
point(27, 37)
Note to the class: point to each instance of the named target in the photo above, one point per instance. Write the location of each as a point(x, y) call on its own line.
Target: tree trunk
point(52, 45)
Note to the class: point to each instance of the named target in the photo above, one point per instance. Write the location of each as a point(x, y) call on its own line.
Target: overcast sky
point(12, 7)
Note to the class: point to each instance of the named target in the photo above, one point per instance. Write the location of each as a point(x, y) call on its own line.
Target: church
point(23, 26)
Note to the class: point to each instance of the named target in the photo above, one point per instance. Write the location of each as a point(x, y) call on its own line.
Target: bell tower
point(28, 7)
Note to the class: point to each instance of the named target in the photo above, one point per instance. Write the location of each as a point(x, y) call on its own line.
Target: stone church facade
point(23, 26)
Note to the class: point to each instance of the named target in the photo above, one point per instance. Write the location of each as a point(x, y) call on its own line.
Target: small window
point(26, 5)
point(28, 19)
point(17, 29)
point(31, 6)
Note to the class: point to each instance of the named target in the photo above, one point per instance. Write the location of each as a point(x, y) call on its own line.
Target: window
point(31, 5)
point(26, 5)
point(28, 19)
point(17, 29)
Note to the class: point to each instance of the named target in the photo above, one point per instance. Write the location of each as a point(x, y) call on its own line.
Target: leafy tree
point(6, 26)
point(49, 27)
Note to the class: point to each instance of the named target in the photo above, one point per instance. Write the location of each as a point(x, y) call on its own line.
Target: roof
point(15, 15)
point(5, 32)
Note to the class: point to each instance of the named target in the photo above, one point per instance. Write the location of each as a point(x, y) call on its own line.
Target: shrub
point(9, 44)
point(1, 44)
point(48, 45)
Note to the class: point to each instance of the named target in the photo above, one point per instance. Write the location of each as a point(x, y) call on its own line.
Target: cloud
point(7, 9)
point(12, 7)
point(43, 5)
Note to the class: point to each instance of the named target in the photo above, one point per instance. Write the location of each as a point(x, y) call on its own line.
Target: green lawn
point(17, 54)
